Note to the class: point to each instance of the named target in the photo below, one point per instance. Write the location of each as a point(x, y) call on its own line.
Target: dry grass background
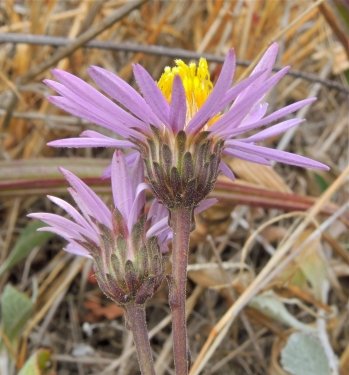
point(278, 233)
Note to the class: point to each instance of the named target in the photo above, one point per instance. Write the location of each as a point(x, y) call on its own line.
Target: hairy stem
point(135, 315)
point(181, 220)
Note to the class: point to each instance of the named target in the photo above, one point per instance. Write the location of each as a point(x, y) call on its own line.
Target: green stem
point(181, 221)
point(135, 315)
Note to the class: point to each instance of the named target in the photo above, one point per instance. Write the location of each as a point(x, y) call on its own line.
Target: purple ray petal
point(209, 108)
point(121, 186)
point(90, 114)
point(76, 249)
point(231, 151)
point(90, 142)
point(73, 212)
point(274, 130)
point(94, 134)
point(82, 92)
point(226, 170)
point(134, 161)
point(277, 155)
point(205, 204)
point(106, 172)
point(158, 228)
point(232, 119)
point(95, 204)
point(60, 232)
point(125, 94)
point(161, 225)
point(137, 205)
point(77, 104)
point(264, 69)
point(273, 116)
point(267, 61)
point(87, 212)
point(71, 229)
point(256, 113)
point(178, 108)
point(135, 165)
point(157, 211)
point(152, 94)
point(108, 115)
point(234, 91)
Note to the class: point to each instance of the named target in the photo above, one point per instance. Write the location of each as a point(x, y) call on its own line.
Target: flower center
point(196, 81)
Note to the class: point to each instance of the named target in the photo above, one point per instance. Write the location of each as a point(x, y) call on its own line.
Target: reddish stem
point(181, 221)
point(135, 315)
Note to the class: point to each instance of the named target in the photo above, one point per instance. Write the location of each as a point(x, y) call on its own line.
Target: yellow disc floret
point(196, 81)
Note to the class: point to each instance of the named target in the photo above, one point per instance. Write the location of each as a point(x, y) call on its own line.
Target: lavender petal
point(89, 142)
point(152, 94)
point(257, 112)
point(125, 94)
point(273, 116)
point(234, 91)
point(205, 204)
point(210, 106)
point(178, 108)
point(110, 115)
point(121, 187)
point(90, 114)
point(137, 205)
point(267, 61)
point(277, 155)
point(232, 119)
point(158, 228)
point(95, 204)
point(76, 249)
point(72, 211)
point(274, 130)
point(226, 170)
point(82, 92)
point(232, 151)
point(71, 229)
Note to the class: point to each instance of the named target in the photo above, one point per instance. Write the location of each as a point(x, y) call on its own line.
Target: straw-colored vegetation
point(268, 263)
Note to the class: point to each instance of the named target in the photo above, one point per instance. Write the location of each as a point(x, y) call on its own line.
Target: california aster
point(183, 124)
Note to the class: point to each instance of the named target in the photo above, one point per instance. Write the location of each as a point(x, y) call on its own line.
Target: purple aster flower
point(124, 242)
point(183, 124)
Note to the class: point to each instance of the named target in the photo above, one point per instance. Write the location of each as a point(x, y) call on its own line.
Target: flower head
point(124, 242)
point(183, 124)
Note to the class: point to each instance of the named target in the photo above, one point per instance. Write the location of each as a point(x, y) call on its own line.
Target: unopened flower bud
point(124, 243)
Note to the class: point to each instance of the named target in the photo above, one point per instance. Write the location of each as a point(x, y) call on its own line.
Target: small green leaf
point(312, 264)
point(16, 309)
point(346, 75)
point(304, 355)
point(270, 305)
point(321, 182)
point(27, 241)
point(38, 364)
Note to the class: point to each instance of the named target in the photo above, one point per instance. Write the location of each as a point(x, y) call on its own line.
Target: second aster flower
point(183, 124)
point(125, 243)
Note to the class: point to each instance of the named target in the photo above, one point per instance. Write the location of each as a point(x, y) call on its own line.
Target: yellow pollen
point(196, 81)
